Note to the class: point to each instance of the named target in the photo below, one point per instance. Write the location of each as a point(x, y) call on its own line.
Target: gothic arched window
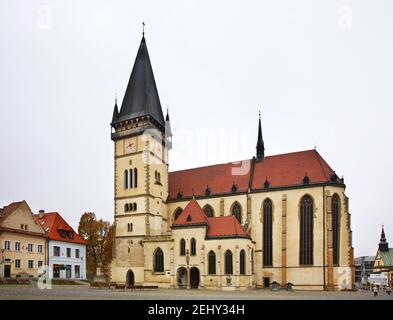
point(131, 174)
point(158, 265)
point(177, 213)
point(306, 231)
point(242, 262)
point(237, 211)
point(126, 179)
point(228, 262)
point(212, 262)
point(182, 247)
point(126, 208)
point(135, 177)
point(336, 228)
point(193, 246)
point(267, 233)
point(208, 211)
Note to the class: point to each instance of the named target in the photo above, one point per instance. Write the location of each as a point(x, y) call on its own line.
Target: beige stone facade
point(147, 236)
point(23, 242)
point(154, 215)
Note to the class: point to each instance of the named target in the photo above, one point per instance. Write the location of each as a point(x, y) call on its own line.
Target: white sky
point(320, 71)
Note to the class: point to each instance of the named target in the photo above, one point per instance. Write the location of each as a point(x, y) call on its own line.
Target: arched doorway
point(194, 278)
point(182, 277)
point(130, 278)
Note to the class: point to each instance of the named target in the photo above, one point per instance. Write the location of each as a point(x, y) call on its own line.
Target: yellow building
point(282, 218)
point(23, 242)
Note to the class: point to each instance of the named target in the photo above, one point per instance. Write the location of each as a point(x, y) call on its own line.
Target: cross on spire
point(143, 28)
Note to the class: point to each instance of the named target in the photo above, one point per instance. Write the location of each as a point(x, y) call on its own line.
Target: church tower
point(141, 169)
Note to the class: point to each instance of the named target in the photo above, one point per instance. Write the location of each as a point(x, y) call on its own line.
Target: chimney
point(41, 213)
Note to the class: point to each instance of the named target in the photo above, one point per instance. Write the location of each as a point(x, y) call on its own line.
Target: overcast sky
point(320, 71)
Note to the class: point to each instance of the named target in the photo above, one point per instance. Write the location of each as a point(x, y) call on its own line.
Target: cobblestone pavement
point(83, 292)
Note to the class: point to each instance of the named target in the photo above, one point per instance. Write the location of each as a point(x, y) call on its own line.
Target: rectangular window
point(39, 264)
point(30, 247)
point(77, 253)
point(22, 226)
point(56, 271)
point(30, 264)
point(40, 248)
point(17, 246)
point(7, 245)
point(129, 227)
point(77, 272)
point(68, 271)
point(68, 252)
point(17, 263)
point(56, 251)
point(25, 226)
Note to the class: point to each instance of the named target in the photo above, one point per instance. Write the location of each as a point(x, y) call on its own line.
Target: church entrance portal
point(182, 277)
point(130, 278)
point(194, 278)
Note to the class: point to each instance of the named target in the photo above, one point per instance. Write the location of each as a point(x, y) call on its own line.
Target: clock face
point(130, 145)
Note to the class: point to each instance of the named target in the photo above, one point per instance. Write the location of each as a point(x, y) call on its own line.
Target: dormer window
point(189, 218)
point(207, 191)
point(306, 180)
point(62, 233)
point(266, 185)
point(234, 187)
point(180, 195)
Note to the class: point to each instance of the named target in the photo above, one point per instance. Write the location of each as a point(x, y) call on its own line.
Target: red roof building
point(217, 227)
point(57, 228)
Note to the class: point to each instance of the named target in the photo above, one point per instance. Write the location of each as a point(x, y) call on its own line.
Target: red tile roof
point(218, 178)
point(218, 227)
point(289, 169)
point(225, 227)
point(52, 222)
point(284, 170)
point(191, 215)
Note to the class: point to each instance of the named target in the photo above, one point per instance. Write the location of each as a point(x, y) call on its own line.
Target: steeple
point(260, 144)
point(168, 130)
point(115, 113)
point(383, 244)
point(141, 96)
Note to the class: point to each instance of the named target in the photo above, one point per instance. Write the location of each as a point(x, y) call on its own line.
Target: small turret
point(383, 244)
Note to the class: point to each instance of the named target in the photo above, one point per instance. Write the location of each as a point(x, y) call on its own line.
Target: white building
point(380, 278)
point(66, 249)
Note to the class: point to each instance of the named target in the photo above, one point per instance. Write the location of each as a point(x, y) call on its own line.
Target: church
point(273, 219)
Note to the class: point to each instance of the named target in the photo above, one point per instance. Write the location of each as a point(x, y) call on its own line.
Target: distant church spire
point(383, 244)
point(260, 143)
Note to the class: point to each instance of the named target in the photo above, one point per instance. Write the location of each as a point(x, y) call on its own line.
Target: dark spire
point(141, 96)
point(383, 237)
point(168, 130)
point(383, 244)
point(115, 112)
point(167, 115)
point(260, 144)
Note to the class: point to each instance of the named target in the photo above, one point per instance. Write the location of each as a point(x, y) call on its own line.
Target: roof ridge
point(234, 162)
point(211, 165)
